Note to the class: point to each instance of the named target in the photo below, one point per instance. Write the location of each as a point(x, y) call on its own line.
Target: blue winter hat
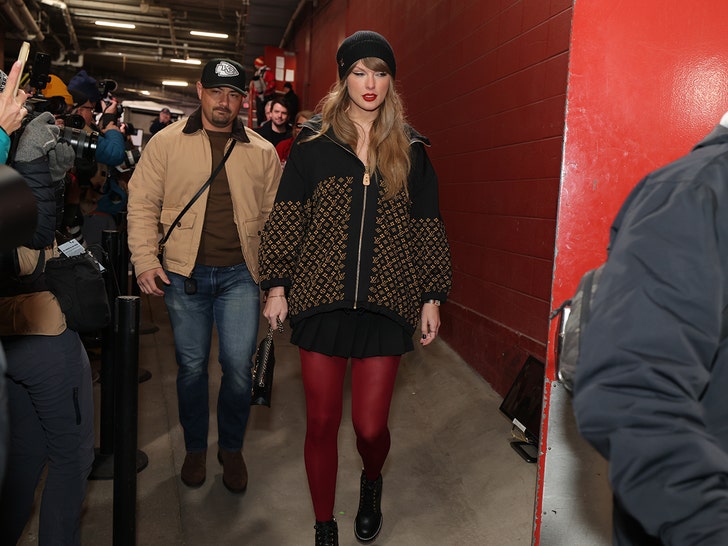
point(86, 85)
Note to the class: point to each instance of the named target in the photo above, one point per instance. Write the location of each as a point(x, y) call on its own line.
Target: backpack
point(574, 315)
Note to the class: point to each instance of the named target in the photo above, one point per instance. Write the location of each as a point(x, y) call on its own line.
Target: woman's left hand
point(276, 306)
point(429, 322)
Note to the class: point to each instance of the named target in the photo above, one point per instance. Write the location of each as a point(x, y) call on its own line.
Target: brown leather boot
point(234, 471)
point(194, 471)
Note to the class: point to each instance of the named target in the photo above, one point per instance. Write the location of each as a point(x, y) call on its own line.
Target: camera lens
point(83, 143)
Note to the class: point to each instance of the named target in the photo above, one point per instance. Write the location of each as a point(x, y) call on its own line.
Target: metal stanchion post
point(123, 271)
point(123, 274)
point(112, 348)
point(103, 462)
point(127, 458)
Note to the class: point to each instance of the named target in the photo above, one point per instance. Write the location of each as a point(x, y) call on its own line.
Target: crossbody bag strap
point(197, 195)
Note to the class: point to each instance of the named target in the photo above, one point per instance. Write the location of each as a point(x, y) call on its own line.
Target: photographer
point(115, 192)
point(93, 172)
point(161, 121)
point(49, 377)
point(90, 96)
point(110, 144)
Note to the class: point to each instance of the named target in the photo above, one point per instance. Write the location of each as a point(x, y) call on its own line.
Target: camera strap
point(217, 170)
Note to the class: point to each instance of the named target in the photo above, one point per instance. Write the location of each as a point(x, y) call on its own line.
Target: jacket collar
point(315, 123)
point(718, 135)
point(194, 124)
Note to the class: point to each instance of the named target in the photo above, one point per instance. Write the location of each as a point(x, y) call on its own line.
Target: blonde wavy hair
point(388, 140)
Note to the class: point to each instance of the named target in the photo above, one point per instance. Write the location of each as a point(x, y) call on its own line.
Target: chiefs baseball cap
point(224, 73)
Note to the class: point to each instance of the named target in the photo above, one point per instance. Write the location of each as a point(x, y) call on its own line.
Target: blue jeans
point(229, 298)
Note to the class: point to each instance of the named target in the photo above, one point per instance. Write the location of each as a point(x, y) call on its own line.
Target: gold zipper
point(365, 183)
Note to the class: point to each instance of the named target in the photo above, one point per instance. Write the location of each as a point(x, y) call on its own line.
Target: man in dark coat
point(651, 381)
point(161, 121)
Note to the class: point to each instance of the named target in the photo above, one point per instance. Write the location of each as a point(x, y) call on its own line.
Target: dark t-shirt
point(220, 245)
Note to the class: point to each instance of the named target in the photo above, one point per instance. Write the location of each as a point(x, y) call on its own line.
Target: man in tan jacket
point(209, 272)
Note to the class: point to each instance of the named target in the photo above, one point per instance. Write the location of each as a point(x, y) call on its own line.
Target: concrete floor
point(451, 478)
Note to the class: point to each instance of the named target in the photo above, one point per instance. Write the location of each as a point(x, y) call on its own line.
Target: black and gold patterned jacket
point(335, 242)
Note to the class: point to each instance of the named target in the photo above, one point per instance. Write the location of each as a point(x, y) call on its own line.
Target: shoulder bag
point(79, 287)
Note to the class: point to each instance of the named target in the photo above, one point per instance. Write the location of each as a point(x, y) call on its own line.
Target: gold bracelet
point(434, 302)
point(277, 296)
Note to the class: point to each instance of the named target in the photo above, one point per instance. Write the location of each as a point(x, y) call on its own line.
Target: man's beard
point(221, 118)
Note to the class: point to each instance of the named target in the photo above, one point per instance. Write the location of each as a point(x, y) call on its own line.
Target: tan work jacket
point(173, 166)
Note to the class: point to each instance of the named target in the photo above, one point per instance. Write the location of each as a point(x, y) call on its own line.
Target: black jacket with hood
point(335, 243)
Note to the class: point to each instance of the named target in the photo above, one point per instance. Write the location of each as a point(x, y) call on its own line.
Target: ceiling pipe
point(151, 59)
point(64, 61)
point(71, 31)
point(14, 17)
point(172, 37)
point(34, 32)
point(73, 38)
point(242, 20)
point(156, 44)
point(143, 7)
point(291, 22)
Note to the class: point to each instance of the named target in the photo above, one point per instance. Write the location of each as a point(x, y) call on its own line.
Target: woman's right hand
point(12, 110)
point(276, 306)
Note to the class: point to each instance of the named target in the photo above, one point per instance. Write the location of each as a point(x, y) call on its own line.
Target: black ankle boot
point(327, 533)
point(369, 517)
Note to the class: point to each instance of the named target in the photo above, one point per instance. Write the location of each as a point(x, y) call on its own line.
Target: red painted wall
point(647, 80)
point(485, 80)
point(497, 147)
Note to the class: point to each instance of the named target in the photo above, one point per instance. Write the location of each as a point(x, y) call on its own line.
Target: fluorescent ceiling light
point(187, 61)
point(175, 83)
point(115, 25)
point(208, 34)
point(145, 92)
point(54, 3)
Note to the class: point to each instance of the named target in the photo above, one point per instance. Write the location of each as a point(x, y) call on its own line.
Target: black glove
point(38, 138)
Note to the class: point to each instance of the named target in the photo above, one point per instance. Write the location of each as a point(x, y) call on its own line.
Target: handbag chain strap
point(217, 170)
point(259, 375)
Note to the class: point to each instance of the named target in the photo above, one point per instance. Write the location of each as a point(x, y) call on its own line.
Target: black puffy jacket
point(49, 199)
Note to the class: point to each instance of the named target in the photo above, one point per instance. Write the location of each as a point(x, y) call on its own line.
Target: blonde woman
point(355, 255)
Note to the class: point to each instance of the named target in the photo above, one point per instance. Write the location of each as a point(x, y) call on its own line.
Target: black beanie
point(362, 44)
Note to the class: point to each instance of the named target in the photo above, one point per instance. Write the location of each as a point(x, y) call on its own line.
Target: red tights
point(372, 385)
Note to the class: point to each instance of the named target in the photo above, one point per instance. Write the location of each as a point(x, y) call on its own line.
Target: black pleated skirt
point(350, 333)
